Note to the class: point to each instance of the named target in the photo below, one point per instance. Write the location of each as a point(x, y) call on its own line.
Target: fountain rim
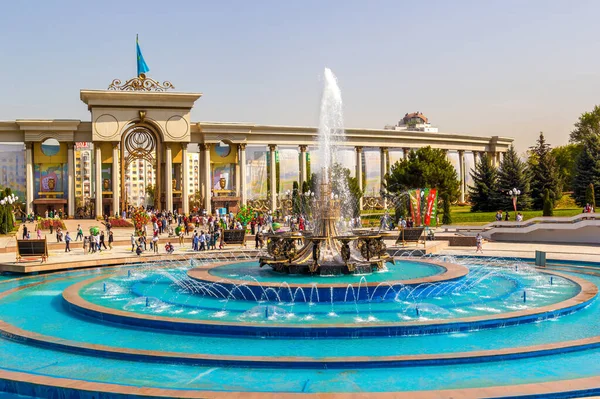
point(453, 271)
point(71, 295)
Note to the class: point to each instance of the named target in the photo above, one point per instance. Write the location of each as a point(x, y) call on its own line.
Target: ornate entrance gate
point(140, 142)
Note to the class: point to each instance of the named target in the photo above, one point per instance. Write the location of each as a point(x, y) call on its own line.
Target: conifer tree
point(484, 191)
point(513, 174)
point(590, 197)
point(548, 204)
point(587, 170)
point(543, 171)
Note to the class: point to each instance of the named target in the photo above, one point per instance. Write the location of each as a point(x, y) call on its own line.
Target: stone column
point(185, 180)
point(498, 157)
point(461, 168)
point(359, 173)
point(98, 171)
point(303, 170)
point(116, 178)
point(29, 194)
point(492, 158)
point(70, 180)
point(168, 178)
point(207, 178)
point(243, 193)
point(237, 175)
point(383, 170)
point(475, 158)
point(405, 152)
point(273, 170)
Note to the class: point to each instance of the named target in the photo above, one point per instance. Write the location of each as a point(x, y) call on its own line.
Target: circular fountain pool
point(123, 327)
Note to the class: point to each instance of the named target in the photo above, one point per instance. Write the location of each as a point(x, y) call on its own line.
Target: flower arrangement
point(45, 223)
point(7, 207)
point(245, 215)
point(140, 219)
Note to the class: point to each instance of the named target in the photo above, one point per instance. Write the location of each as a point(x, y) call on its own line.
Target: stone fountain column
point(207, 178)
point(168, 178)
point(359, 173)
point(405, 152)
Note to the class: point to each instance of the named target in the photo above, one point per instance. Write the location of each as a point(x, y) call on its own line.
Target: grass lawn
point(462, 215)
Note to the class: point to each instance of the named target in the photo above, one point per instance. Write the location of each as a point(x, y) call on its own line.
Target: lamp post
point(514, 193)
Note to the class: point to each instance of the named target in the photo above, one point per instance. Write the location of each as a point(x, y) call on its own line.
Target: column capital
point(115, 144)
point(242, 146)
point(383, 149)
point(70, 146)
point(204, 146)
point(272, 147)
point(28, 145)
point(461, 152)
point(358, 148)
point(303, 147)
point(184, 146)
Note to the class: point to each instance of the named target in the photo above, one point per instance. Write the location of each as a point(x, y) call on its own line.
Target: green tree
point(590, 196)
point(544, 173)
point(587, 170)
point(587, 126)
point(484, 191)
point(447, 217)
point(548, 209)
point(296, 201)
point(566, 157)
point(513, 174)
point(426, 167)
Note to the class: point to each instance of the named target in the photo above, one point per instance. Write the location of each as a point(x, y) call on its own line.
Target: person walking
point(39, 234)
point(86, 243)
point(155, 243)
point(24, 232)
point(79, 233)
point(132, 242)
point(479, 243)
point(110, 239)
point(97, 243)
point(67, 242)
point(102, 243)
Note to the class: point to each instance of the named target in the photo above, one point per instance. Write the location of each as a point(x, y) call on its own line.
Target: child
point(86, 243)
point(479, 241)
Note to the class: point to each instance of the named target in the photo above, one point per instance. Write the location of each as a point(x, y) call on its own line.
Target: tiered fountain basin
point(69, 353)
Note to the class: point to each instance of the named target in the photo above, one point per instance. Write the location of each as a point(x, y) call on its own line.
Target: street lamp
point(514, 193)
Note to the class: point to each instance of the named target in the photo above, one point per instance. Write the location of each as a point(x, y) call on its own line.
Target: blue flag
point(141, 64)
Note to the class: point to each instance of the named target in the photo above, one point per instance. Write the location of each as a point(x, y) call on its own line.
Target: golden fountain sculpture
point(323, 250)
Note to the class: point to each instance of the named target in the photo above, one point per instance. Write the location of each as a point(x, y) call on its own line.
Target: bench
point(32, 249)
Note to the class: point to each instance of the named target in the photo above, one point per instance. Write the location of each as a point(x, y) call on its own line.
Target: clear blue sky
point(509, 68)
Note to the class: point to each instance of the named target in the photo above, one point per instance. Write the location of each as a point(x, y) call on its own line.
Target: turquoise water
point(486, 291)
point(41, 309)
point(402, 270)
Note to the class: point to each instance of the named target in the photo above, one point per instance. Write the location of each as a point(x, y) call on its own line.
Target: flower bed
point(44, 224)
point(119, 222)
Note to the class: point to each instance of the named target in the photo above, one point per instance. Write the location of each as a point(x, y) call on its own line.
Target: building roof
point(417, 114)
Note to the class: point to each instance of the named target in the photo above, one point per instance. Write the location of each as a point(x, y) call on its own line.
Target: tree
point(544, 173)
point(590, 197)
point(513, 174)
point(447, 217)
point(548, 204)
point(566, 157)
point(587, 170)
point(484, 191)
point(587, 126)
point(296, 201)
point(426, 167)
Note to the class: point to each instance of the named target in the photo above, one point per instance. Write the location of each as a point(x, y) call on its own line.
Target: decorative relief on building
point(140, 83)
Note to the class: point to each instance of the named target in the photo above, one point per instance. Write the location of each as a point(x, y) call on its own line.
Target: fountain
point(325, 251)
